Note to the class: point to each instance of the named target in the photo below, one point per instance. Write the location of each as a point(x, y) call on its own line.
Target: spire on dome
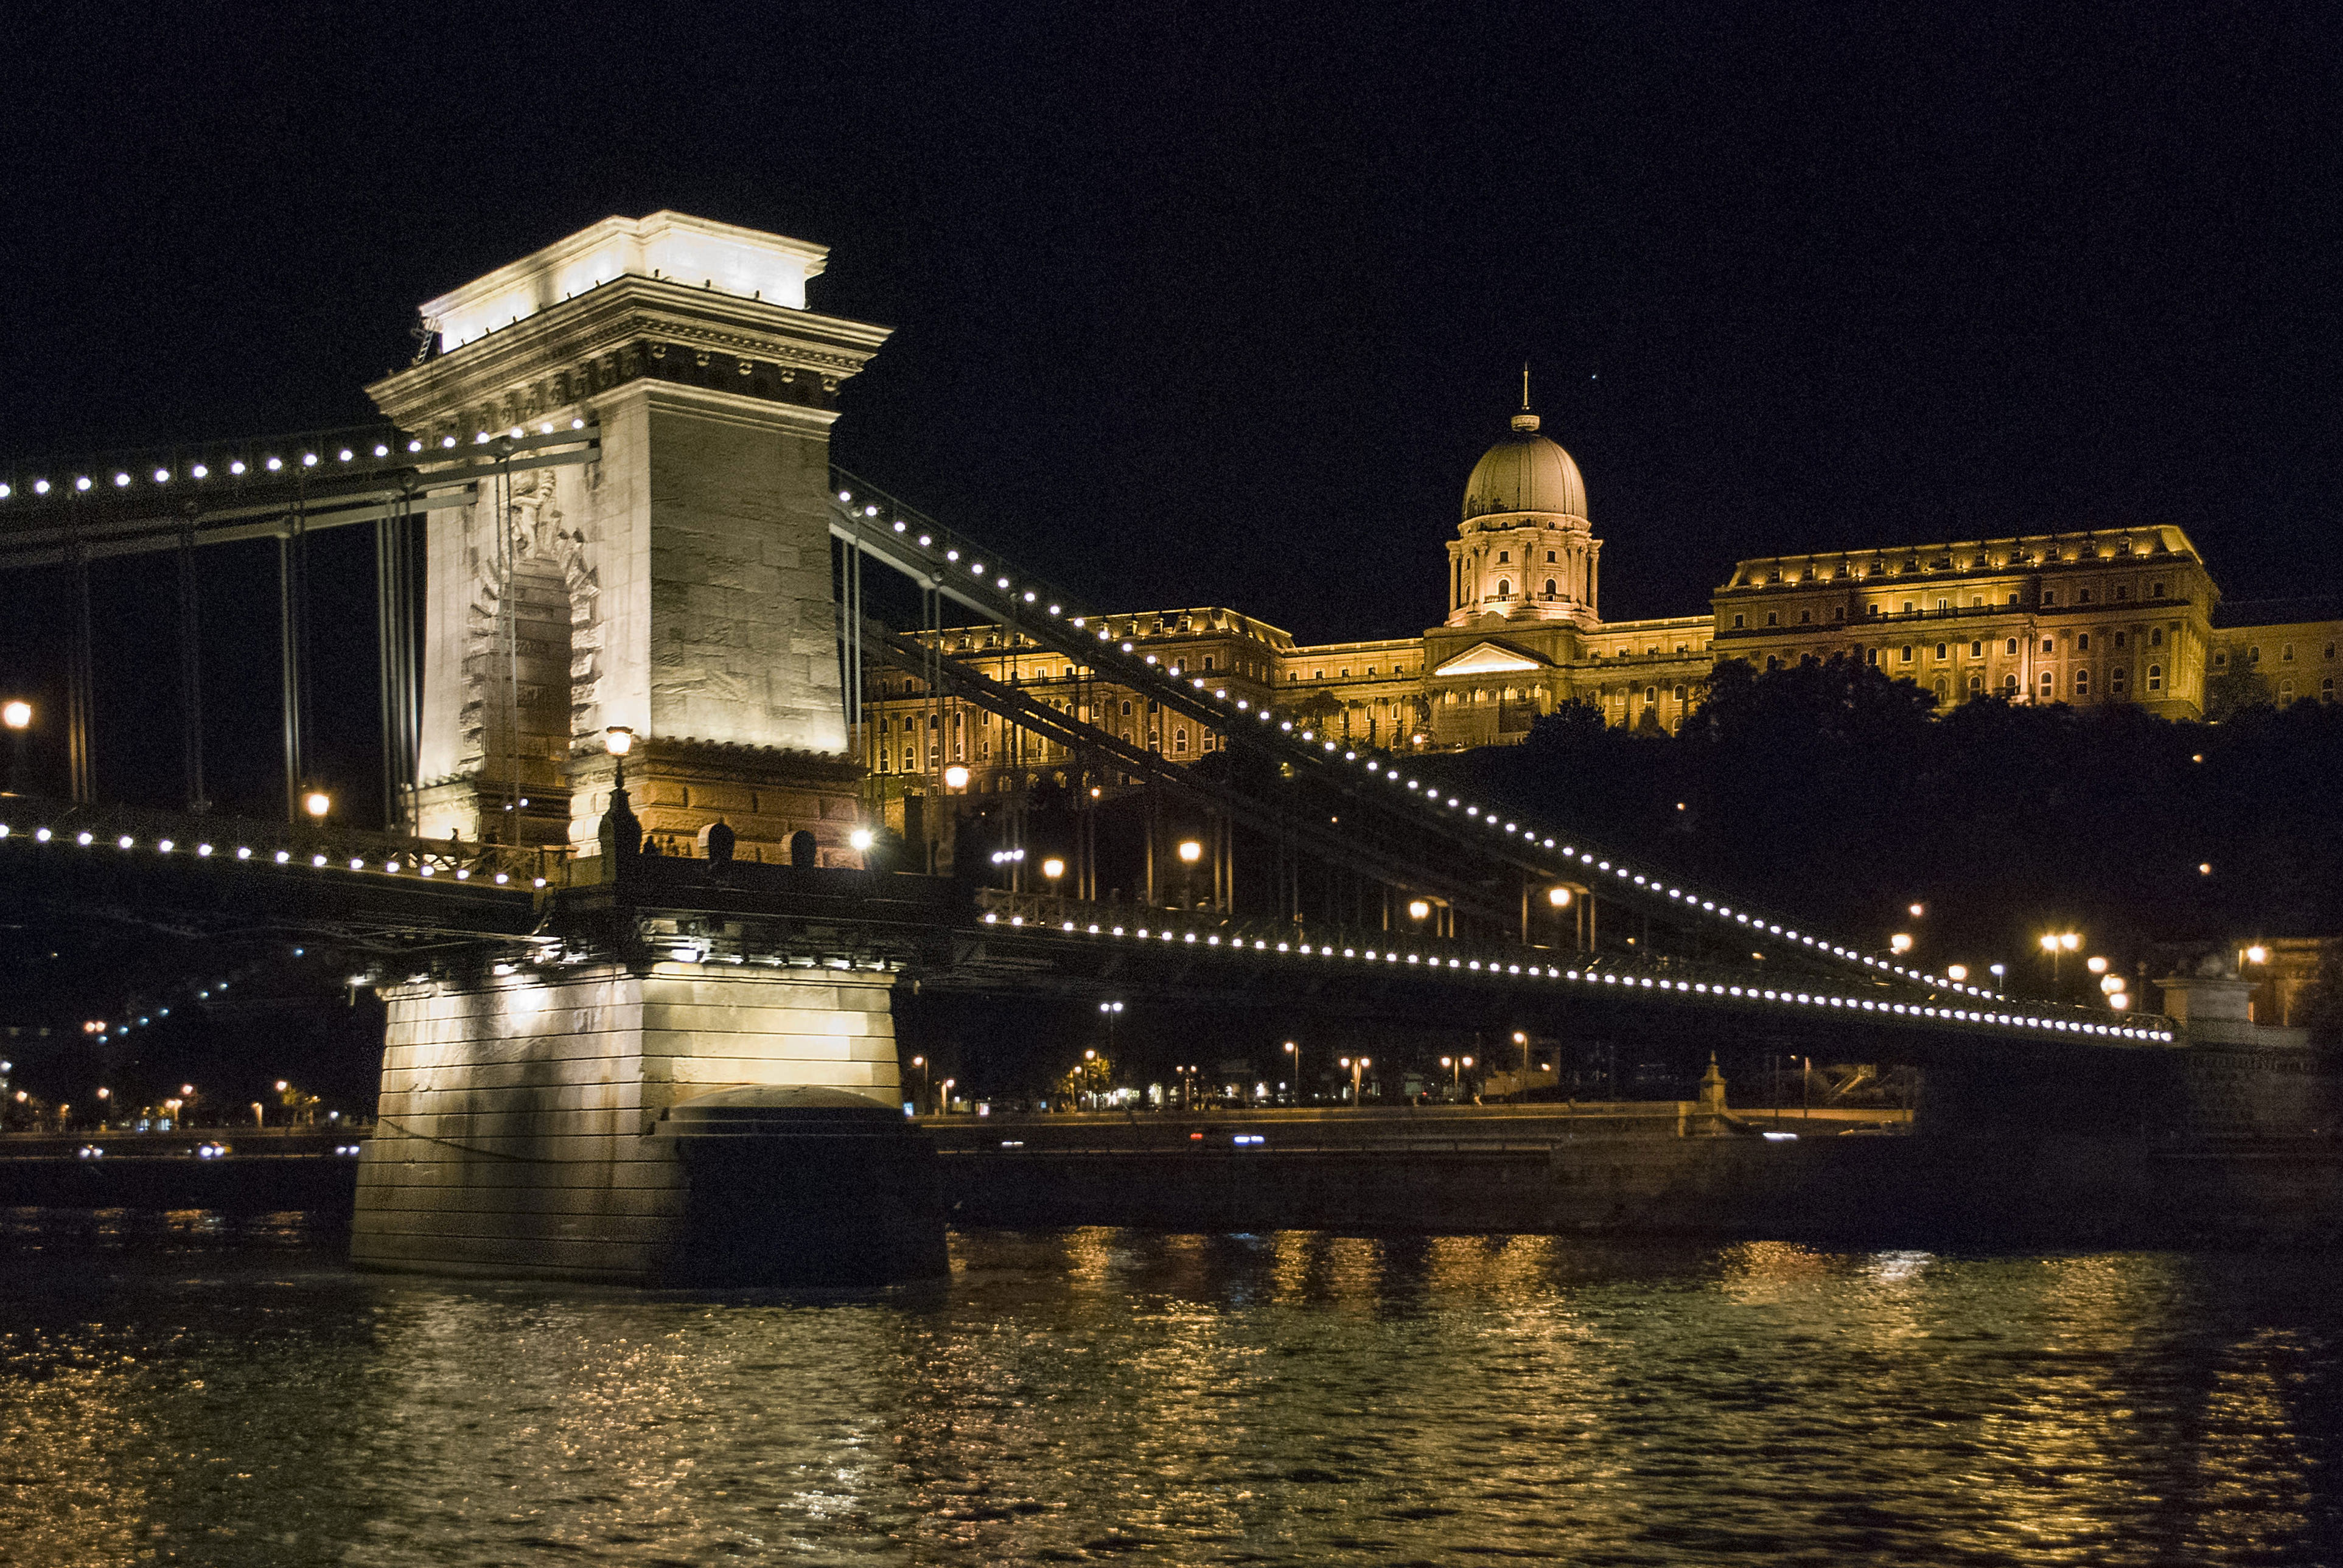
point(1525, 421)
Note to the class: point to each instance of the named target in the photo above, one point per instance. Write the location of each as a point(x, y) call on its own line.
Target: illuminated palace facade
point(2098, 616)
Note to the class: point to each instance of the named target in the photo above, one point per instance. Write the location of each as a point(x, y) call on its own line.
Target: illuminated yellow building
point(2097, 616)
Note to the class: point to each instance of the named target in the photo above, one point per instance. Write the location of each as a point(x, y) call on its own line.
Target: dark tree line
point(1834, 793)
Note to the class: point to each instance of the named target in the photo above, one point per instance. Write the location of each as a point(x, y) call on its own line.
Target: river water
point(184, 1389)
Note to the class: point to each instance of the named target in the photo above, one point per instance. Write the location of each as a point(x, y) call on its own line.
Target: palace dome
point(1525, 473)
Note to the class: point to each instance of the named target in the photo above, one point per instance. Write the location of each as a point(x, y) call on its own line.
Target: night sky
point(1220, 305)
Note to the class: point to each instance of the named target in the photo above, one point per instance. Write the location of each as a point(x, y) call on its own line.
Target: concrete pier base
point(524, 1129)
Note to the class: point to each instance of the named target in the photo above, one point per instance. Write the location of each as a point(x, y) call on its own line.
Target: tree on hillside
point(2232, 691)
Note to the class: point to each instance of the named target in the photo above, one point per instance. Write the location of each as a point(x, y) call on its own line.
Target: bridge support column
point(526, 1131)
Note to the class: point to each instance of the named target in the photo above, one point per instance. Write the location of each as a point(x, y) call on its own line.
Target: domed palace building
point(2097, 616)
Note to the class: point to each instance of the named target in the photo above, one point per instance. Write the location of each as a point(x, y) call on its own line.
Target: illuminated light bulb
point(861, 838)
point(81, 482)
point(162, 475)
point(345, 454)
point(2258, 954)
point(274, 463)
point(120, 480)
point(40, 486)
point(415, 446)
point(309, 460)
point(200, 472)
point(381, 451)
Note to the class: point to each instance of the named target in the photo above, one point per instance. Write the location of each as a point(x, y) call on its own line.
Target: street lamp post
point(1456, 1066)
point(2058, 944)
point(1112, 1011)
point(1522, 1040)
point(1358, 1066)
point(920, 1065)
point(1294, 1068)
point(16, 713)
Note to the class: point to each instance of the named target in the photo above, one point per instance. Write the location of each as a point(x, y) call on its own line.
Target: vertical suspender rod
point(191, 671)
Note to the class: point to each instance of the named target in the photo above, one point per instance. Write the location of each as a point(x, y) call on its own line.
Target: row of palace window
point(2254, 655)
point(2046, 681)
point(1943, 605)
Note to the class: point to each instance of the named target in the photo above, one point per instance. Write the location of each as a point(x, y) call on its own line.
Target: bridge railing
point(1207, 933)
point(323, 845)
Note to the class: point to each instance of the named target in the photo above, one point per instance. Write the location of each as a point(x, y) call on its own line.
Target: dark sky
point(1220, 305)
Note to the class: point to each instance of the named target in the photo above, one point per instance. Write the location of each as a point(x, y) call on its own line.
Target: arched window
point(1942, 649)
point(2082, 683)
point(1651, 694)
point(2083, 642)
point(2221, 659)
point(2118, 682)
point(1503, 556)
point(2050, 686)
point(1976, 685)
point(2009, 685)
point(2156, 637)
point(1772, 663)
point(1905, 656)
point(1504, 588)
point(1549, 588)
point(1680, 692)
point(1943, 688)
point(2011, 649)
point(2156, 677)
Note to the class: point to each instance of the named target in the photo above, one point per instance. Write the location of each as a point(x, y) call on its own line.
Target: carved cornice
point(626, 330)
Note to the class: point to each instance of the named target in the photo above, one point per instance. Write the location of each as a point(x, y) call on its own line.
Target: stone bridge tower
point(681, 585)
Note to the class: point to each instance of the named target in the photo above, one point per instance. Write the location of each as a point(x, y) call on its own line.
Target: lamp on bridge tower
point(621, 835)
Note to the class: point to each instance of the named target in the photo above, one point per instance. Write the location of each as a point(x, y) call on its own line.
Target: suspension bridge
point(607, 533)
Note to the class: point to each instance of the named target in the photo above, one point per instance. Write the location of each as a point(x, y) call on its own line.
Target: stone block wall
point(520, 1130)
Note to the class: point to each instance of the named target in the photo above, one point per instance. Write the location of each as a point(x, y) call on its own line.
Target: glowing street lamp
point(1294, 1072)
point(1418, 909)
point(2058, 944)
point(1358, 1066)
point(2096, 964)
point(2258, 954)
point(956, 776)
point(1901, 942)
point(862, 838)
point(1053, 868)
point(316, 802)
point(1956, 971)
point(16, 713)
point(1191, 851)
point(1558, 897)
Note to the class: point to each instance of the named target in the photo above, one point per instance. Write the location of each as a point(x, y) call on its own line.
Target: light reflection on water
point(228, 1392)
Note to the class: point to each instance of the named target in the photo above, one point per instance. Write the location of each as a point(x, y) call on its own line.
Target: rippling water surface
point(183, 1390)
